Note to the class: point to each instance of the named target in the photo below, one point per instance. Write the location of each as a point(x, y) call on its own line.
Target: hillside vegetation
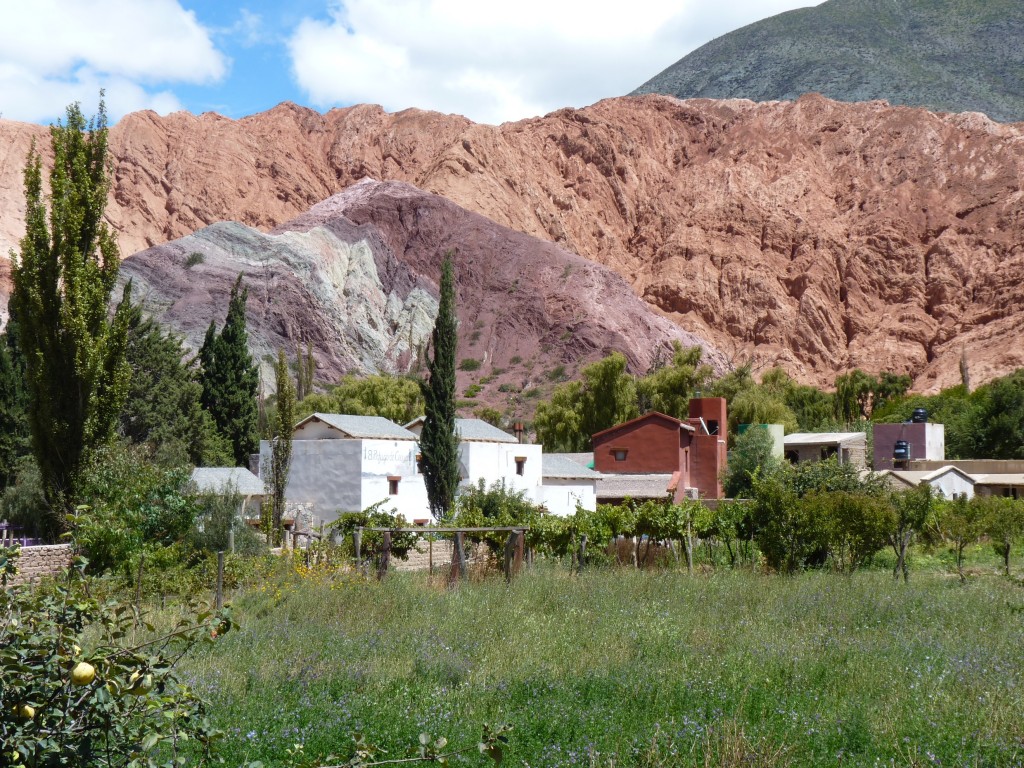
point(946, 55)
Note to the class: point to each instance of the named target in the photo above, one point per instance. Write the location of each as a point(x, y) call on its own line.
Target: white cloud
point(53, 52)
point(503, 61)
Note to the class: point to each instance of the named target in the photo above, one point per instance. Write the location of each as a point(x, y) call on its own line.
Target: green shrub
point(193, 259)
point(472, 390)
point(469, 364)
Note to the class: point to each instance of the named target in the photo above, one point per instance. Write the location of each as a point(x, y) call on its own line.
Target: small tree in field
point(439, 445)
point(64, 275)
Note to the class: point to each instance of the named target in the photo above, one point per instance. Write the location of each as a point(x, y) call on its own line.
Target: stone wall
point(45, 560)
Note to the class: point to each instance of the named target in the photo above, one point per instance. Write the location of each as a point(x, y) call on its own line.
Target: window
point(620, 454)
point(712, 426)
point(393, 484)
point(520, 465)
point(419, 463)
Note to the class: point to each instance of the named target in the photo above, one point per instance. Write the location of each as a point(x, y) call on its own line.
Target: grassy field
point(631, 669)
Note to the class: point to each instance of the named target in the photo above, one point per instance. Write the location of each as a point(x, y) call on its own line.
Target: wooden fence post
point(220, 580)
point(511, 546)
point(583, 553)
point(357, 541)
point(385, 557)
point(138, 588)
point(458, 569)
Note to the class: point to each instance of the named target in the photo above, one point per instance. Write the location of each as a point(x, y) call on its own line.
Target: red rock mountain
point(817, 234)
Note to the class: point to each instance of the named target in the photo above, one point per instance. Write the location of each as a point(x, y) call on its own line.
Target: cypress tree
point(439, 445)
point(76, 373)
point(163, 409)
point(230, 379)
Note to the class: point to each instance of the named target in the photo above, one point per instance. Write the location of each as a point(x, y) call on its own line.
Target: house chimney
point(519, 430)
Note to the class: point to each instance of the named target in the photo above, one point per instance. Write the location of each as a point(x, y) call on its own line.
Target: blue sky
point(491, 61)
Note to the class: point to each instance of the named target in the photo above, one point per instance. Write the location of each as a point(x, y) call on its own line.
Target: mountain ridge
point(945, 55)
point(814, 234)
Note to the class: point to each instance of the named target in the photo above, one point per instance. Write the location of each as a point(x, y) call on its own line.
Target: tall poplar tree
point(230, 379)
point(281, 444)
point(76, 373)
point(439, 445)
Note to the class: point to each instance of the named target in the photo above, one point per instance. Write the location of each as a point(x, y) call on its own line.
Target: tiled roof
point(560, 465)
point(633, 486)
point(226, 480)
point(362, 426)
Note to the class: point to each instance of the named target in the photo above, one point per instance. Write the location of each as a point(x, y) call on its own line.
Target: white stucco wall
point(561, 495)
point(952, 483)
point(935, 442)
point(345, 475)
point(494, 462)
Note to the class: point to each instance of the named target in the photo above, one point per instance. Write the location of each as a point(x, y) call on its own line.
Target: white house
point(344, 463)
point(494, 456)
point(950, 482)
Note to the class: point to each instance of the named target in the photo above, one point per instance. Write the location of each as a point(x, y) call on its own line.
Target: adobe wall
point(45, 560)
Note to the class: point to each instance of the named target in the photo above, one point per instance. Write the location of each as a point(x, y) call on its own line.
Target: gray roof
point(561, 466)
point(917, 476)
point(362, 426)
point(1015, 478)
point(478, 429)
point(634, 486)
point(586, 459)
point(821, 438)
point(472, 430)
point(226, 480)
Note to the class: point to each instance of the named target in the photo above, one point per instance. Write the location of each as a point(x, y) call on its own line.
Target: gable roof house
point(657, 455)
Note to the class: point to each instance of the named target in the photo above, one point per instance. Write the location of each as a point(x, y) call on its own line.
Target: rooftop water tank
point(901, 451)
point(919, 416)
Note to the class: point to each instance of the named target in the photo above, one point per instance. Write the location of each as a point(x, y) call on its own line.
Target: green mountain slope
point(946, 55)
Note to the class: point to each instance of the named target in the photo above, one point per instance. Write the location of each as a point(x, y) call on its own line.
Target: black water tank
point(919, 416)
point(901, 451)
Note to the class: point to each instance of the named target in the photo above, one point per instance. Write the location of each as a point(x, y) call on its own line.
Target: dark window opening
point(712, 426)
point(393, 485)
point(793, 457)
point(520, 465)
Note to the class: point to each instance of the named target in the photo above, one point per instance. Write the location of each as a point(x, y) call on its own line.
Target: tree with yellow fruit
point(79, 673)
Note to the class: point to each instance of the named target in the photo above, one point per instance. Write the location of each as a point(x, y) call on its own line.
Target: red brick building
point(692, 451)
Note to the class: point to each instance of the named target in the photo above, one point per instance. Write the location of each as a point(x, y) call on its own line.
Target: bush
point(372, 544)
point(469, 364)
point(85, 685)
point(131, 505)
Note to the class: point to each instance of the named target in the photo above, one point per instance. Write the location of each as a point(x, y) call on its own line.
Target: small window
point(620, 454)
point(712, 426)
point(393, 485)
point(419, 463)
point(520, 465)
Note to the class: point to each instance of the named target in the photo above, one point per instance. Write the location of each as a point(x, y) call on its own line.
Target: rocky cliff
point(356, 279)
point(817, 234)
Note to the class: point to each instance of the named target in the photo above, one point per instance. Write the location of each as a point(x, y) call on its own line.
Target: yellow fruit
point(139, 684)
point(83, 673)
point(25, 712)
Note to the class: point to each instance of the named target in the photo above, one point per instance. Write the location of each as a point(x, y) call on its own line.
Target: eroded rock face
point(356, 279)
point(815, 234)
